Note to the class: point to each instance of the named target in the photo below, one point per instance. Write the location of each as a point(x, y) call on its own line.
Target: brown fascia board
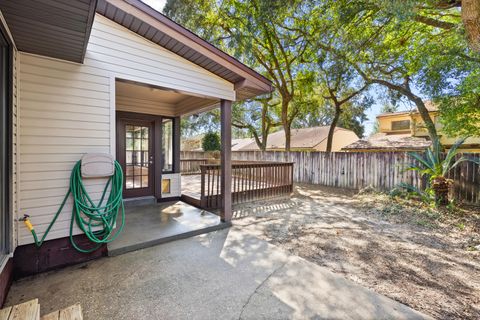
point(159, 21)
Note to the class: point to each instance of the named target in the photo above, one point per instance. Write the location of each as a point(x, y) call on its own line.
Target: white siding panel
point(68, 109)
point(115, 49)
point(64, 113)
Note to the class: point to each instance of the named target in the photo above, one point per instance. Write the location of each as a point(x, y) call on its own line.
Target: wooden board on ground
point(25, 311)
point(51, 316)
point(71, 313)
point(4, 313)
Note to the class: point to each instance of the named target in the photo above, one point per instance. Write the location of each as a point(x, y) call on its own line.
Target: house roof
point(304, 138)
point(385, 142)
point(428, 104)
point(61, 28)
point(53, 28)
point(156, 27)
point(239, 144)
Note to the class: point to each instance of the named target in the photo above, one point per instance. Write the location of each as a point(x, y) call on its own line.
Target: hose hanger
point(96, 220)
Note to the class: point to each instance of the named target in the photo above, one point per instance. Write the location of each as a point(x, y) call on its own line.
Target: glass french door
point(138, 158)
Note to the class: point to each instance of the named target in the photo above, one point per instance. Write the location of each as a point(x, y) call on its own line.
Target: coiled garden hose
point(87, 214)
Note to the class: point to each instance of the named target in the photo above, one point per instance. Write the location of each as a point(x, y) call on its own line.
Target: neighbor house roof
point(239, 144)
point(428, 104)
point(304, 138)
point(385, 142)
point(61, 29)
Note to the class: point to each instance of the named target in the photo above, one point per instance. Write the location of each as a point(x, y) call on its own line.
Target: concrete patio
point(227, 274)
point(151, 224)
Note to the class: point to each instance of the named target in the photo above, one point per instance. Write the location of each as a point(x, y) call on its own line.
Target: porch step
point(138, 202)
point(30, 310)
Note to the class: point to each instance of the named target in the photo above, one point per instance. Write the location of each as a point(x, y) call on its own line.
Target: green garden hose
point(87, 214)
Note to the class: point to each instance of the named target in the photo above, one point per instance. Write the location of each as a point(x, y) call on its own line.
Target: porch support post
point(176, 144)
point(226, 159)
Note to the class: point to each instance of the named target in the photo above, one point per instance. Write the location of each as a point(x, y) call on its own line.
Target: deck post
point(176, 144)
point(226, 160)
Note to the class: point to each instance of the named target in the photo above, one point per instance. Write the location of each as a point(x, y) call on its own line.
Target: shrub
point(211, 142)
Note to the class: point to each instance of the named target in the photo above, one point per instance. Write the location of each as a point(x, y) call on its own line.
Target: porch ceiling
point(53, 28)
point(141, 98)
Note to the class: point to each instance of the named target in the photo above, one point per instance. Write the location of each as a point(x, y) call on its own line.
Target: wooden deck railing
point(250, 181)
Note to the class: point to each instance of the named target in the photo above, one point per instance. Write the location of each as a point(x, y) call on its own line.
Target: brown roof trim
point(389, 114)
point(257, 83)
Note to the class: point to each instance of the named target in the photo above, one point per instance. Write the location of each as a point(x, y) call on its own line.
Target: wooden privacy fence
point(250, 181)
point(192, 166)
point(357, 170)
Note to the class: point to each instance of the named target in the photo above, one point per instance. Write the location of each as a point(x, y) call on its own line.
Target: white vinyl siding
point(64, 113)
point(115, 49)
point(68, 109)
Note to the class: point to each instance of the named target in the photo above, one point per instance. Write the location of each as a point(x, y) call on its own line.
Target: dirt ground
point(412, 253)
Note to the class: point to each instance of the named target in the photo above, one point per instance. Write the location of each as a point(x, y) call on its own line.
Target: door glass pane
point(167, 145)
point(136, 156)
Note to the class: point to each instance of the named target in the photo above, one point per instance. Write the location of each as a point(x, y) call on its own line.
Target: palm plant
point(435, 165)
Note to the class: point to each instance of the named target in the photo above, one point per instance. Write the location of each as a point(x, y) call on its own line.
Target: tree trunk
point(471, 21)
point(422, 109)
point(287, 131)
point(331, 131)
point(441, 187)
point(286, 123)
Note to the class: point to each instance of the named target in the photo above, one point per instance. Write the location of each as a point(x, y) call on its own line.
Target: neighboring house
point(193, 143)
point(305, 139)
point(239, 144)
point(106, 76)
point(405, 131)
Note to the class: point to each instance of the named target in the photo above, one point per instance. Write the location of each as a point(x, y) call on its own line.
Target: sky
point(156, 4)
point(371, 113)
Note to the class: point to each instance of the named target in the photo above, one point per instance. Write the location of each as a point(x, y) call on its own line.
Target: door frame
point(156, 141)
point(6, 163)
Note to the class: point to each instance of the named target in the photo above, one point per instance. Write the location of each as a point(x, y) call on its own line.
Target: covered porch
point(147, 145)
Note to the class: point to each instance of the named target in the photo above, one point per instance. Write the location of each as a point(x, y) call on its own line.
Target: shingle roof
point(428, 104)
point(304, 138)
point(382, 141)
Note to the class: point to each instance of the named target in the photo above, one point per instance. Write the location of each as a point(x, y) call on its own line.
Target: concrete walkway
point(227, 274)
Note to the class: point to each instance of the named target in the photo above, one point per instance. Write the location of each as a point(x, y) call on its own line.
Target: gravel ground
point(426, 259)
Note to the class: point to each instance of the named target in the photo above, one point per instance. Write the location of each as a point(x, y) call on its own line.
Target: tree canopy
point(326, 57)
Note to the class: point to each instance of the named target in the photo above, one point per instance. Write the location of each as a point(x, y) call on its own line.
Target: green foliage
point(200, 123)
point(460, 113)
point(434, 164)
point(317, 53)
point(211, 142)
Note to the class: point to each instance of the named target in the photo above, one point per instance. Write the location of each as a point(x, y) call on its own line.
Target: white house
point(106, 76)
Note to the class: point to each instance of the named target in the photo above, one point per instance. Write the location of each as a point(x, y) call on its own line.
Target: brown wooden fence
point(357, 170)
point(250, 181)
point(192, 166)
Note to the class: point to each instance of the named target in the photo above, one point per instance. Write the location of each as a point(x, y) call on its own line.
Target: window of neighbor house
point(400, 125)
